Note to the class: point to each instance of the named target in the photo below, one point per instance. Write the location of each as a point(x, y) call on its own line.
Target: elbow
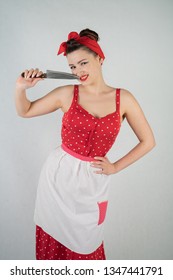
point(19, 114)
point(22, 115)
point(154, 143)
point(150, 144)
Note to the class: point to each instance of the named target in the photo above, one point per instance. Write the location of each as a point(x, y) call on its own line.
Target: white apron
point(71, 202)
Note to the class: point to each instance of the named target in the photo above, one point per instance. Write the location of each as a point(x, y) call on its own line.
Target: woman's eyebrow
point(78, 61)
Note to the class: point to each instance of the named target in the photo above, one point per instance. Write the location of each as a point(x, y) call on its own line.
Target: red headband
point(84, 40)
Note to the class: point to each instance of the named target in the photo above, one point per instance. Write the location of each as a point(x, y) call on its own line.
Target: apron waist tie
point(76, 155)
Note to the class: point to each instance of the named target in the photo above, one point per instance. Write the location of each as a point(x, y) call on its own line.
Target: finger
point(39, 73)
point(100, 158)
point(96, 164)
point(35, 72)
point(29, 75)
point(25, 73)
point(99, 171)
point(96, 168)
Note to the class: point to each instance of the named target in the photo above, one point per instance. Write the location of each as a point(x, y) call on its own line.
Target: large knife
point(56, 75)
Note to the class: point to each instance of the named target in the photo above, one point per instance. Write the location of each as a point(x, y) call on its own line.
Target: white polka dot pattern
point(87, 135)
point(47, 248)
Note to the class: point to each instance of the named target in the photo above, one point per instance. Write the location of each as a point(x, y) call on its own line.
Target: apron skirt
point(72, 201)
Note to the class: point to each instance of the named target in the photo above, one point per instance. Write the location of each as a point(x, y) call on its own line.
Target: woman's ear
point(101, 61)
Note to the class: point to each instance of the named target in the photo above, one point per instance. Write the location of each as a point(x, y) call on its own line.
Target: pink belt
point(76, 155)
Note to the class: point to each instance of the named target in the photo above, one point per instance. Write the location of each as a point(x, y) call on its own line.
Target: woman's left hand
point(104, 165)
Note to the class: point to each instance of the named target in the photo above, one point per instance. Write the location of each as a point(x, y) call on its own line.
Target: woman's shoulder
point(126, 96)
point(67, 89)
point(64, 92)
point(65, 95)
point(125, 93)
point(127, 100)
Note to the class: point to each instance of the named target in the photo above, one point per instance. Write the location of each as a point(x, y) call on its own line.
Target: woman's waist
point(75, 154)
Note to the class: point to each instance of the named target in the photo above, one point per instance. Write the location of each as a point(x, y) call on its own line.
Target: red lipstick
point(84, 78)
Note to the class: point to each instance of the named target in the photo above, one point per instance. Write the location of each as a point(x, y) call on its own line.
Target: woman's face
point(85, 65)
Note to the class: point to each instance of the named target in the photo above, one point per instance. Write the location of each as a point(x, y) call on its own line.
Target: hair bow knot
point(84, 40)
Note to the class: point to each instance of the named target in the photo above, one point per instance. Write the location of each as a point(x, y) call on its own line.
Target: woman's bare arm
point(130, 110)
point(47, 104)
point(135, 117)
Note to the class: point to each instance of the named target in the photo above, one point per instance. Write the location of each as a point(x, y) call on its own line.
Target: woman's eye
point(72, 67)
point(84, 63)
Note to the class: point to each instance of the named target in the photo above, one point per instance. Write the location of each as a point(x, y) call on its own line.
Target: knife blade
point(50, 74)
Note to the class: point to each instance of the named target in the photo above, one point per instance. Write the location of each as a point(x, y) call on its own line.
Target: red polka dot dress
point(71, 199)
point(47, 248)
point(87, 135)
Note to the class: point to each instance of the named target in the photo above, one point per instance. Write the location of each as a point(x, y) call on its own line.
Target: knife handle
point(41, 76)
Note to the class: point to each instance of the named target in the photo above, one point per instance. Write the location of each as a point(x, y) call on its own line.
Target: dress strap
point(75, 96)
point(118, 99)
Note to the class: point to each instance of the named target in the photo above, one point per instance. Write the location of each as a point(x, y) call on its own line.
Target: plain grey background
point(136, 37)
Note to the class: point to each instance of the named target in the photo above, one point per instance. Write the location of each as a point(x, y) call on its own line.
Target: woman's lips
point(84, 78)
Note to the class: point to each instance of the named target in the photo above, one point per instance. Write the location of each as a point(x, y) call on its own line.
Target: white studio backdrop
point(136, 37)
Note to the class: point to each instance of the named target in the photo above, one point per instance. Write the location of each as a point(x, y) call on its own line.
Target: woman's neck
point(96, 87)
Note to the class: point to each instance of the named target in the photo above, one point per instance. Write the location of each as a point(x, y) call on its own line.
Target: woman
point(72, 195)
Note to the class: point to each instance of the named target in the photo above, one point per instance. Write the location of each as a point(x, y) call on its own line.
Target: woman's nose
point(79, 72)
point(74, 71)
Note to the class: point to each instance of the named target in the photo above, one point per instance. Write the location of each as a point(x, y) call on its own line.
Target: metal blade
point(60, 75)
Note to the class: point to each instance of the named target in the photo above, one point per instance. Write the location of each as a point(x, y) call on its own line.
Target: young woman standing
point(72, 195)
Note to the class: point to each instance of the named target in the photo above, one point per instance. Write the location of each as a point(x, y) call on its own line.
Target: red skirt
point(47, 248)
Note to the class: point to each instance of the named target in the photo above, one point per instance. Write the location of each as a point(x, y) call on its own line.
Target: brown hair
point(73, 45)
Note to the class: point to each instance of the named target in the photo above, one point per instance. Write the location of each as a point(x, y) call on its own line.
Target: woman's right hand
point(30, 79)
